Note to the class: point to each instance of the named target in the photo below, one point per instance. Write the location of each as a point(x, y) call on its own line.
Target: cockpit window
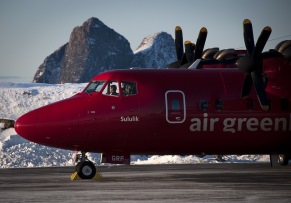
point(94, 86)
point(128, 88)
point(112, 89)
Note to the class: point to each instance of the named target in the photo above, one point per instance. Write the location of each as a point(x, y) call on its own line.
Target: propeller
point(179, 42)
point(179, 48)
point(189, 51)
point(200, 43)
point(198, 48)
point(252, 63)
point(192, 51)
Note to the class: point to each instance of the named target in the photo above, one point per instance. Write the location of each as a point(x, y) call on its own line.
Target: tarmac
point(150, 183)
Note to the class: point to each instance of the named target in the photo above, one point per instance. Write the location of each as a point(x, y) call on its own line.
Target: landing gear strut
point(283, 159)
point(85, 169)
point(279, 159)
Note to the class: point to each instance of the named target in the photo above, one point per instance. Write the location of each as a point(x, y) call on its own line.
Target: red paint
point(176, 111)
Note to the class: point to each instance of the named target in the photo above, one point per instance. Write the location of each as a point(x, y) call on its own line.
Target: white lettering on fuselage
point(129, 119)
point(233, 125)
point(117, 158)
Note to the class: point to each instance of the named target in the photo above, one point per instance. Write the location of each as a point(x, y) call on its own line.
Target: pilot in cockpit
point(113, 89)
point(127, 90)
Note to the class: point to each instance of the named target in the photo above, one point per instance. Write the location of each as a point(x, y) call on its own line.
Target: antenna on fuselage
point(195, 64)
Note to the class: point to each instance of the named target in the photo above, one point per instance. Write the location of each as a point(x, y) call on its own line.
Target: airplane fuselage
point(170, 112)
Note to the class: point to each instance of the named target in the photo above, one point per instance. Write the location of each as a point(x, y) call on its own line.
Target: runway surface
point(150, 183)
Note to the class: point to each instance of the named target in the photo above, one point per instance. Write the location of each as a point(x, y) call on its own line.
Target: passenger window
point(112, 89)
point(175, 104)
point(94, 86)
point(203, 104)
point(218, 104)
point(128, 88)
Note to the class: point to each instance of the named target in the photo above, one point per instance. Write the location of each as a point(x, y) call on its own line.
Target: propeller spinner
point(252, 63)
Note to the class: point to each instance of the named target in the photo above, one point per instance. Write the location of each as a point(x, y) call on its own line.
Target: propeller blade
point(200, 43)
point(247, 86)
point(179, 42)
point(249, 36)
point(184, 60)
point(189, 51)
point(260, 89)
point(262, 40)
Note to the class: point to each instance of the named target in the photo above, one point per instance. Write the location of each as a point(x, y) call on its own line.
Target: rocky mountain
point(50, 70)
point(94, 48)
point(155, 51)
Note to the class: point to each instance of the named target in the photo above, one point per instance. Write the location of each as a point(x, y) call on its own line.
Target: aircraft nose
point(25, 126)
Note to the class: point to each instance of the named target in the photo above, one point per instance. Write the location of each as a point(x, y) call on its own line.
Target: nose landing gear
point(85, 169)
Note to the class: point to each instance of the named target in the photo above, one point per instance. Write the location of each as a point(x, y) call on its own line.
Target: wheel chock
point(97, 176)
point(75, 176)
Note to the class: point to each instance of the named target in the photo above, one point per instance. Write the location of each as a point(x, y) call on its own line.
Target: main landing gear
point(279, 159)
point(85, 169)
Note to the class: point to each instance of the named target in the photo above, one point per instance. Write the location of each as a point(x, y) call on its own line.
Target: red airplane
point(196, 110)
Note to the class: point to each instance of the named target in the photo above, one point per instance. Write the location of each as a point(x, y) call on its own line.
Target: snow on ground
point(19, 98)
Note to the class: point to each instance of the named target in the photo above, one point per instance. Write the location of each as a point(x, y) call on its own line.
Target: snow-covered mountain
point(94, 48)
point(19, 98)
point(157, 50)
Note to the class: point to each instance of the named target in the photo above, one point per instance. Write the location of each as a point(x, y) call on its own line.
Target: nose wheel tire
point(86, 170)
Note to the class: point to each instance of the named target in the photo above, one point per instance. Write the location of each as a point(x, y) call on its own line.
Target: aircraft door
point(175, 106)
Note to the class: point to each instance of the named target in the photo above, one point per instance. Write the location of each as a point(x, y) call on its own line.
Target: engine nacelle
point(277, 68)
point(284, 47)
